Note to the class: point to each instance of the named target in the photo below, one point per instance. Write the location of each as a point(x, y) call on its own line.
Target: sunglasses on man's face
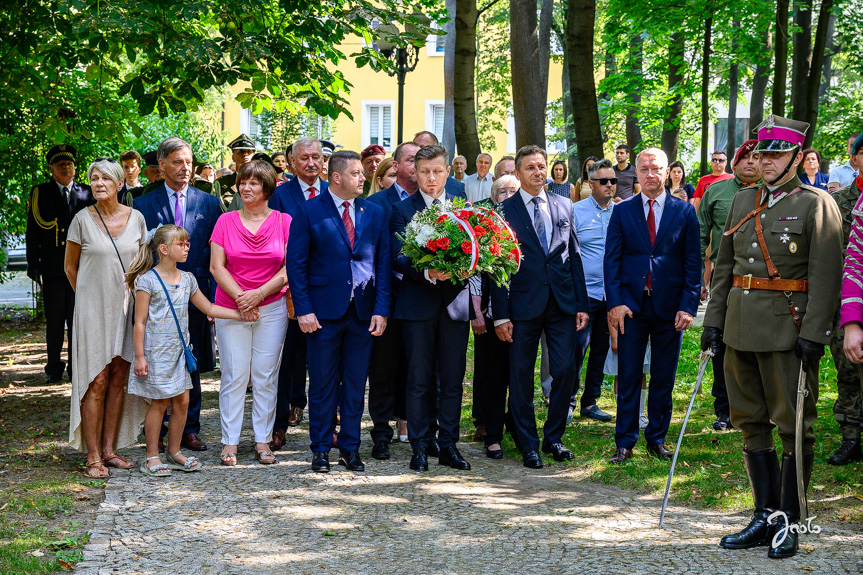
point(606, 181)
point(718, 160)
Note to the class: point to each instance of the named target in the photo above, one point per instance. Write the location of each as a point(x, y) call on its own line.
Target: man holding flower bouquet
point(548, 293)
point(435, 310)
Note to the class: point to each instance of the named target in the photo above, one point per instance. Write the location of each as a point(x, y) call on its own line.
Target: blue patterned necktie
point(539, 224)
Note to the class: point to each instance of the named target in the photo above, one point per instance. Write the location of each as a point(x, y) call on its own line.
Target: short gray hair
point(654, 152)
point(459, 156)
point(171, 145)
point(481, 154)
point(306, 142)
point(112, 169)
point(598, 165)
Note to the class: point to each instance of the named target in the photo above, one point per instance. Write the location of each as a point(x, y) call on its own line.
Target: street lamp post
point(404, 58)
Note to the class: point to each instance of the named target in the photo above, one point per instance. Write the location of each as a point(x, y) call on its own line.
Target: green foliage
point(493, 74)
point(279, 130)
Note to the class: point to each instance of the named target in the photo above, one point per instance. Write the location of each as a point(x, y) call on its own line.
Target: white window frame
point(430, 107)
point(560, 146)
point(432, 40)
point(246, 118)
point(366, 126)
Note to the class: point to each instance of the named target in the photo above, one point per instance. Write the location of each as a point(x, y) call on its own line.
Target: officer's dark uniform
point(49, 213)
point(226, 183)
point(774, 292)
point(848, 409)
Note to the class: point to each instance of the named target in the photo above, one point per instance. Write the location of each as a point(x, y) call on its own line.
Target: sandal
point(229, 459)
point(110, 461)
point(103, 472)
point(160, 470)
point(265, 457)
point(191, 463)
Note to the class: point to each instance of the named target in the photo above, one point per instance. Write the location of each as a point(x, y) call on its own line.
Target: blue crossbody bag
point(191, 362)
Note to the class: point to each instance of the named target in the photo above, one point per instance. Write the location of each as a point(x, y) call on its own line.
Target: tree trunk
point(825, 26)
point(830, 49)
point(582, 86)
point(544, 43)
point(633, 111)
point(448, 140)
point(800, 65)
point(780, 66)
point(759, 85)
point(733, 79)
point(705, 87)
point(528, 100)
point(464, 105)
point(572, 159)
point(671, 123)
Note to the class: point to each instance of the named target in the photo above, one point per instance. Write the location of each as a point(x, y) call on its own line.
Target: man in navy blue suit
point(339, 272)
point(389, 366)
point(548, 294)
point(652, 276)
point(435, 312)
point(306, 159)
point(176, 202)
point(454, 187)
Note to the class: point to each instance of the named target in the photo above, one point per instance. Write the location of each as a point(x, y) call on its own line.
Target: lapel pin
point(361, 209)
point(555, 203)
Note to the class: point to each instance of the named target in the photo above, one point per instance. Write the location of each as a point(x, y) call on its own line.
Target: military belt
point(748, 282)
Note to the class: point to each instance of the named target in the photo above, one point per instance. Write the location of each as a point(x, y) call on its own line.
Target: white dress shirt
point(658, 207)
point(543, 208)
point(67, 194)
point(351, 214)
point(477, 188)
point(305, 188)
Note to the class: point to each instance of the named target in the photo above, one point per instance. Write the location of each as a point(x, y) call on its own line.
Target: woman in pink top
point(248, 261)
point(851, 309)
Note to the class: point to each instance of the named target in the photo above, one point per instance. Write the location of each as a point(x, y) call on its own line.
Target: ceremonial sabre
point(705, 357)
point(802, 392)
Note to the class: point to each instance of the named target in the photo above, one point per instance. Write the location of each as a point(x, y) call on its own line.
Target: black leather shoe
point(381, 449)
point(54, 378)
point(558, 451)
point(660, 451)
point(762, 467)
point(848, 451)
point(788, 547)
point(351, 460)
point(419, 461)
point(722, 423)
point(494, 453)
point(321, 462)
point(789, 504)
point(532, 459)
point(451, 457)
point(432, 449)
point(621, 455)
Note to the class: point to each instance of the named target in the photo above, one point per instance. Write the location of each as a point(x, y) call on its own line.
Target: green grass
point(709, 472)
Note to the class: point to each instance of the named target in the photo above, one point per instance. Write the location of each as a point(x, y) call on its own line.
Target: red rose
point(495, 229)
point(432, 245)
point(494, 249)
point(487, 222)
point(467, 247)
point(443, 243)
point(441, 218)
point(513, 254)
point(479, 230)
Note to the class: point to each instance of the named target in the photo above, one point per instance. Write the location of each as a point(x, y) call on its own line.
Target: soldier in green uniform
point(774, 291)
point(242, 149)
point(712, 214)
point(153, 173)
point(848, 409)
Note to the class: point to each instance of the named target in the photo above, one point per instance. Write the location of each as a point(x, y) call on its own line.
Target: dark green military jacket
point(803, 234)
point(846, 199)
point(713, 211)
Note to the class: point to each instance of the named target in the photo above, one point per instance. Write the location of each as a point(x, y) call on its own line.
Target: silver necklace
point(251, 220)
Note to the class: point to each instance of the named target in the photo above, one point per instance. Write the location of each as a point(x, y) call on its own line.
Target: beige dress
point(102, 327)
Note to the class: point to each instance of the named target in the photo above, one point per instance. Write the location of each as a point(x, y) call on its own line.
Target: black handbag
point(191, 362)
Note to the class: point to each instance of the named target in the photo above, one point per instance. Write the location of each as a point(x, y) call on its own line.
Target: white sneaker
point(642, 421)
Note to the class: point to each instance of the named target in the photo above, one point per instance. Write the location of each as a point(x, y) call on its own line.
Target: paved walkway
point(497, 518)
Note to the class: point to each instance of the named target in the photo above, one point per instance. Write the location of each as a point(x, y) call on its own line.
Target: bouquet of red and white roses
point(463, 240)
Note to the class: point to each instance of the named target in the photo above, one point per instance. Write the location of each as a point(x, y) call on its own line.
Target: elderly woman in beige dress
point(102, 241)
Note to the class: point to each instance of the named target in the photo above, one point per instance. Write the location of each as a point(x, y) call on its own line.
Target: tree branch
point(484, 8)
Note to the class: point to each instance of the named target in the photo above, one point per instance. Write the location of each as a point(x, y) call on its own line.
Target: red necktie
point(651, 231)
point(349, 224)
point(311, 192)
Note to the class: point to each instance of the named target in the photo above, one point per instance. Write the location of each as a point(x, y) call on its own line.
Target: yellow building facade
point(373, 102)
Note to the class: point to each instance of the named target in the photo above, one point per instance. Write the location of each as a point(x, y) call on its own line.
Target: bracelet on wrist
point(263, 297)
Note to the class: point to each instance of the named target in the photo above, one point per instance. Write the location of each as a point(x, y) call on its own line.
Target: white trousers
point(251, 350)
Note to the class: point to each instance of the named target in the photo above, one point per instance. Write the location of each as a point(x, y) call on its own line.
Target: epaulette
point(812, 189)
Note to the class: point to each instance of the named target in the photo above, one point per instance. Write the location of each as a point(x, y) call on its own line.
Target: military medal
point(792, 247)
point(784, 239)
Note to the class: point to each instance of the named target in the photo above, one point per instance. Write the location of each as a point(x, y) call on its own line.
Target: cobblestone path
point(499, 518)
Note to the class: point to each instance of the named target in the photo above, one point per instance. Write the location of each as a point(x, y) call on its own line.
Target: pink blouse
point(252, 259)
point(851, 308)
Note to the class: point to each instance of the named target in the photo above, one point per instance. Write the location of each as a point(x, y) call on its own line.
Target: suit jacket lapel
point(333, 211)
point(521, 210)
point(359, 219)
point(669, 213)
point(640, 219)
point(192, 198)
point(162, 198)
point(556, 217)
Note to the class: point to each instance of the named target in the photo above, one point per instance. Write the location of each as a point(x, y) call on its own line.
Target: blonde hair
point(143, 262)
point(383, 168)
